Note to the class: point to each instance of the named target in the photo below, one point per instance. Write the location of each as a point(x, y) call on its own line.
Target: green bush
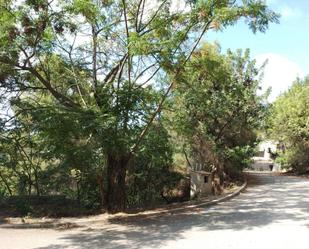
point(153, 171)
point(3, 193)
point(240, 157)
point(295, 159)
point(23, 207)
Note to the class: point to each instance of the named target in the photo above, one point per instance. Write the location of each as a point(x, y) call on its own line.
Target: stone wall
point(201, 184)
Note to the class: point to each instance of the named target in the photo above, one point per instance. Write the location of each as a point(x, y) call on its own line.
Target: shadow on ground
point(269, 199)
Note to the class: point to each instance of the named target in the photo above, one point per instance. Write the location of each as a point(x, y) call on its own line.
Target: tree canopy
point(289, 124)
point(90, 78)
point(219, 110)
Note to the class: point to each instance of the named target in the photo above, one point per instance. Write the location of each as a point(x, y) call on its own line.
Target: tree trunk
point(37, 185)
point(29, 187)
point(116, 187)
point(101, 188)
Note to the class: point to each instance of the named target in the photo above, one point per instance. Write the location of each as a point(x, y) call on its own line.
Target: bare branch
point(128, 38)
point(145, 70)
point(160, 105)
point(94, 58)
point(154, 15)
point(137, 14)
point(112, 74)
point(60, 97)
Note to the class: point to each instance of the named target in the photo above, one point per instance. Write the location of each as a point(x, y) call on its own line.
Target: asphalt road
point(272, 213)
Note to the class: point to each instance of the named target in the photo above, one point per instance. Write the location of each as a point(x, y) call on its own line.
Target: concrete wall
point(262, 162)
point(263, 165)
point(264, 146)
point(198, 185)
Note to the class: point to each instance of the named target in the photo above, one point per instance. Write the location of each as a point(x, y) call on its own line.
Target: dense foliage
point(87, 81)
point(289, 125)
point(219, 110)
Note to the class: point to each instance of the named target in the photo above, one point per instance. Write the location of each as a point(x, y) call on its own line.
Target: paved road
point(273, 213)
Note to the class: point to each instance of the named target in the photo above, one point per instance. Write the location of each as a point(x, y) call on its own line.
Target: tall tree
point(218, 109)
point(107, 65)
point(289, 124)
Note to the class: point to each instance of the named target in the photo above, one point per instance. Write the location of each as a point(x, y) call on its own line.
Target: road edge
point(75, 224)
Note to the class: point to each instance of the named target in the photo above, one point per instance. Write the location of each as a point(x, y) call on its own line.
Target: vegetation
point(219, 111)
point(90, 82)
point(289, 123)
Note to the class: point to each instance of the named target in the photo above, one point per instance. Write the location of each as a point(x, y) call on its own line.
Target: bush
point(296, 159)
point(40, 206)
point(240, 157)
point(3, 193)
point(23, 207)
point(153, 171)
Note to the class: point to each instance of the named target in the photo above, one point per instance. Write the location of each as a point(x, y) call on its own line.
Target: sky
point(285, 45)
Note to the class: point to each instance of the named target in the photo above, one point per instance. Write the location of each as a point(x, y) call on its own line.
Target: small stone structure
point(201, 183)
point(263, 161)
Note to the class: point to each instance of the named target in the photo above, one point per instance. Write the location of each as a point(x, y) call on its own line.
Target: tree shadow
point(272, 200)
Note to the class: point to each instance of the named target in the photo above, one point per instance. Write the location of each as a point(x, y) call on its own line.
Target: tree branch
point(159, 107)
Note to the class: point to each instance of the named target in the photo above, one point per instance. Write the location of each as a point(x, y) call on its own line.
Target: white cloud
point(289, 12)
point(279, 73)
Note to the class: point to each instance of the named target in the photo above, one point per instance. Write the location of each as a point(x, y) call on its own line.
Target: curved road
point(272, 213)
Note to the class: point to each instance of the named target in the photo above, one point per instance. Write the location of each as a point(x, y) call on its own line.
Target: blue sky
point(285, 45)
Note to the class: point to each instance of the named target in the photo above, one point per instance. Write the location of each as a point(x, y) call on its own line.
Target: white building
point(263, 160)
point(264, 149)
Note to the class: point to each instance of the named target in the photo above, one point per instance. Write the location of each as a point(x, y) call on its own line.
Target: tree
point(218, 109)
point(108, 66)
point(289, 124)
point(21, 160)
